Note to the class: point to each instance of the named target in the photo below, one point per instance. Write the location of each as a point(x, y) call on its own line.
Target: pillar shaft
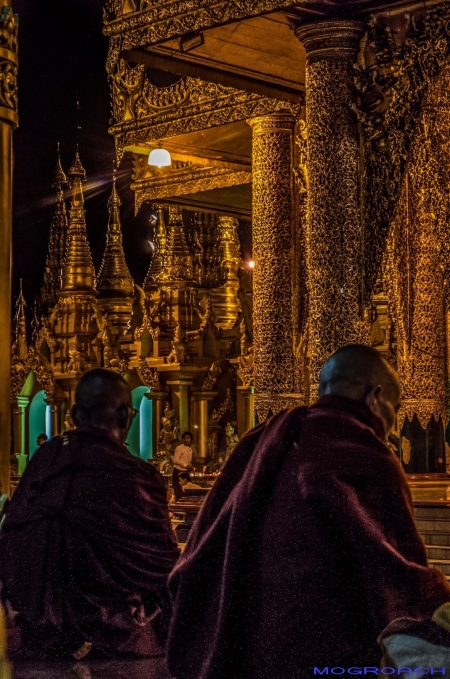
point(273, 254)
point(158, 399)
point(416, 263)
point(202, 400)
point(180, 402)
point(245, 410)
point(8, 121)
point(335, 265)
point(56, 416)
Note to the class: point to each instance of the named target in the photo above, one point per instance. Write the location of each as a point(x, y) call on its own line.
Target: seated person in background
point(86, 545)
point(182, 459)
point(41, 439)
point(186, 484)
point(306, 546)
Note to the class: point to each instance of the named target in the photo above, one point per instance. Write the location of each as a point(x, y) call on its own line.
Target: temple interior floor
point(152, 668)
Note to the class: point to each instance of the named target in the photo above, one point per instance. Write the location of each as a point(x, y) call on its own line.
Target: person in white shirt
point(182, 460)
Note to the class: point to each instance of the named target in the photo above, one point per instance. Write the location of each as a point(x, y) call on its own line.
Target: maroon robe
point(85, 550)
point(305, 549)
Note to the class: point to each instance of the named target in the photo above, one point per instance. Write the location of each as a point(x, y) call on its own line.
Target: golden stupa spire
point(78, 273)
point(20, 327)
point(114, 278)
point(59, 232)
point(160, 243)
point(177, 259)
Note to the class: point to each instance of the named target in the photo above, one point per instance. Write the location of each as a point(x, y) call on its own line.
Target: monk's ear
point(74, 415)
point(373, 395)
point(123, 416)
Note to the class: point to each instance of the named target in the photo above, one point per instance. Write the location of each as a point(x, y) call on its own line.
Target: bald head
point(103, 400)
point(361, 373)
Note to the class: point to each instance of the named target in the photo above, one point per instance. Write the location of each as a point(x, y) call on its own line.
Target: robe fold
point(305, 549)
point(86, 547)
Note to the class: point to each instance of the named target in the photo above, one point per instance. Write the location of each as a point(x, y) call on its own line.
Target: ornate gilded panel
point(147, 22)
point(146, 113)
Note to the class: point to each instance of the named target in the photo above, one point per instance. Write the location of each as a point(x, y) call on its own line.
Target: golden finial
point(77, 169)
point(78, 273)
point(59, 232)
point(60, 178)
point(114, 278)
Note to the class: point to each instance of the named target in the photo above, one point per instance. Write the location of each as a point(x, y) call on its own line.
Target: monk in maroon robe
point(306, 546)
point(86, 546)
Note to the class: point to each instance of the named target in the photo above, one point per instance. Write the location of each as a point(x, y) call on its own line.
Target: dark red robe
point(305, 549)
point(86, 548)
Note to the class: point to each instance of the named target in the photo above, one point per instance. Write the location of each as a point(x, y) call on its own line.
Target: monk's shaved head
point(102, 399)
point(361, 373)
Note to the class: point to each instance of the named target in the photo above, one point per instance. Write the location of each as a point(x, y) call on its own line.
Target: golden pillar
point(180, 402)
point(334, 234)
point(55, 415)
point(8, 122)
point(202, 399)
point(416, 269)
point(273, 254)
point(245, 409)
point(158, 400)
point(21, 414)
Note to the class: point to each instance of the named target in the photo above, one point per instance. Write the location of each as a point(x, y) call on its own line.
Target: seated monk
point(86, 545)
point(306, 544)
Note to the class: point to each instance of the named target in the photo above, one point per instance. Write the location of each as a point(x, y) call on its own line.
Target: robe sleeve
point(370, 516)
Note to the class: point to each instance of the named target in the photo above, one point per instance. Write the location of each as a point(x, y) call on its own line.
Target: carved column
point(334, 230)
point(180, 402)
point(202, 398)
point(22, 457)
point(56, 416)
point(417, 266)
point(273, 254)
point(158, 399)
point(8, 122)
point(245, 409)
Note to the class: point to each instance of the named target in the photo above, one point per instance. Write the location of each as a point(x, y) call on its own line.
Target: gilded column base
point(272, 404)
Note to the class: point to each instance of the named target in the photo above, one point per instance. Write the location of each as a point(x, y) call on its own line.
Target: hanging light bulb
point(160, 157)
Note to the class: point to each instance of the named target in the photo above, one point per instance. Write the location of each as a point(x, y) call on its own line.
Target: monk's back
point(304, 551)
point(86, 548)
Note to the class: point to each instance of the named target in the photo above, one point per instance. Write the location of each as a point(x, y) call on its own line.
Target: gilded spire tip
point(77, 169)
point(60, 178)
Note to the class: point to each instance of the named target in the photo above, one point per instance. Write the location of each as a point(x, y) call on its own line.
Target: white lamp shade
point(160, 158)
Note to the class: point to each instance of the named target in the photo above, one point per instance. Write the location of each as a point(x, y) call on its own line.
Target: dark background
point(62, 56)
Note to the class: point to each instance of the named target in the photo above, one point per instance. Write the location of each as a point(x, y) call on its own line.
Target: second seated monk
point(305, 548)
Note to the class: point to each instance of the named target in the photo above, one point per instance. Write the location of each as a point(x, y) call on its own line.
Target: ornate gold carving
point(78, 274)
point(330, 39)
point(213, 375)
point(114, 278)
point(149, 376)
point(222, 410)
point(159, 20)
point(59, 232)
point(8, 64)
point(177, 259)
point(179, 346)
point(209, 266)
point(224, 298)
point(193, 180)
point(334, 234)
point(398, 63)
point(145, 113)
point(273, 255)
point(406, 450)
point(77, 362)
point(416, 261)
